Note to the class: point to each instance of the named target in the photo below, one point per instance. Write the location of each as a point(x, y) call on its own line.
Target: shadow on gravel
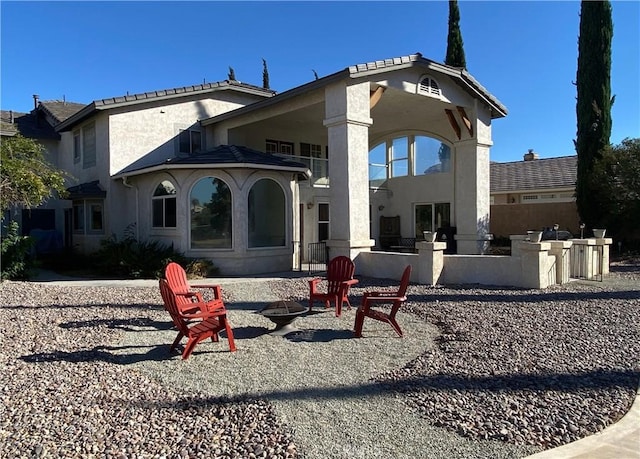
point(103, 354)
point(120, 324)
point(323, 335)
point(531, 384)
point(81, 306)
point(524, 297)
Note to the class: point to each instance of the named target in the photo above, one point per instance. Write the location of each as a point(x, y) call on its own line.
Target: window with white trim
point(431, 217)
point(279, 146)
point(189, 141)
point(407, 155)
point(88, 216)
point(211, 222)
point(323, 221)
point(267, 214)
point(163, 205)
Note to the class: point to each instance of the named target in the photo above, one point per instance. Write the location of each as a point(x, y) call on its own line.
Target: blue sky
point(525, 53)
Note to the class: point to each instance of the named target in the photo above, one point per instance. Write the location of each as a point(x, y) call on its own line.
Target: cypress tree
point(265, 75)
point(593, 106)
point(455, 49)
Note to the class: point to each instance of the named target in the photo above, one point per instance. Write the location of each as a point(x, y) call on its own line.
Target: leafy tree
point(455, 49)
point(15, 252)
point(232, 74)
point(593, 106)
point(265, 75)
point(615, 182)
point(26, 178)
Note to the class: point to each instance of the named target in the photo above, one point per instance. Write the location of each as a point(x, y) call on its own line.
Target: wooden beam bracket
point(452, 121)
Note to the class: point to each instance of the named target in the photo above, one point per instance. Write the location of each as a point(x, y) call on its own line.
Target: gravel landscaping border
point(481, 372)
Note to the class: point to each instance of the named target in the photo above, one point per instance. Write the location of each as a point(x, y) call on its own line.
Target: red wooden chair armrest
point(350, 282)
point(202, 312)
point(217, 290)
point(313, 284)
point(196, 297)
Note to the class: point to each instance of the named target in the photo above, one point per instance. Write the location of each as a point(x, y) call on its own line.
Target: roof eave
point(168, 166)
point(101, 104)
point(291, 93)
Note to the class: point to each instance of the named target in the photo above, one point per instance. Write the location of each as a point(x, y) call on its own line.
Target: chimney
point(35, 101)
point(531, 155)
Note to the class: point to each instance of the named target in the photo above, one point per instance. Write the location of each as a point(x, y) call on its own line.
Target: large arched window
point(163, 205)
point(211, 215)
point(407, 155)
point(266, 214)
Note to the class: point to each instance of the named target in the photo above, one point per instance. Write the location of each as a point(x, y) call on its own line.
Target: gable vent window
point(429, 86)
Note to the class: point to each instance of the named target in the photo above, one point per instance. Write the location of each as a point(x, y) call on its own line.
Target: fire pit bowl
point(283, 313)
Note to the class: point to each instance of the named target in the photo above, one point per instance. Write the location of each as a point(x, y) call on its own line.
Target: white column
point(472, 200)
point(347, 121)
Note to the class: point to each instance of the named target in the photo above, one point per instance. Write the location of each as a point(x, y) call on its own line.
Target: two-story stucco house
point(248, 177)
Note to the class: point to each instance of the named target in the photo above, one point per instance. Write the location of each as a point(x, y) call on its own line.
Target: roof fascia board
point(559, 189)
point(102, 105)
point(163, 167)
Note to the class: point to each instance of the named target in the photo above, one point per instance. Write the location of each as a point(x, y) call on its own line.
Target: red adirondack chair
point(177, 280)
point(197, 325)
point(396, 299)
point(339, 280)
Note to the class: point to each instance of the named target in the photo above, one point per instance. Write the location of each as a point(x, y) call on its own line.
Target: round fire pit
point(283, 313)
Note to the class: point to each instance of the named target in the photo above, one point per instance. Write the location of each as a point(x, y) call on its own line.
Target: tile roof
point(185, 90)
point(60, 110)
point(132, 99)
point(225, 156)
point(537, 174)
point(29, 125)
point(460, 75)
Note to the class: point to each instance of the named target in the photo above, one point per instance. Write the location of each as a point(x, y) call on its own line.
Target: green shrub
point(15, 251)
point(131, 258)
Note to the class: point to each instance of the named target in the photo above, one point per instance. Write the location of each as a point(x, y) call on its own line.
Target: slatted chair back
point(176, 277)
point(169, 299)
point(339, 270)
point(339, 280)
point(396, 299)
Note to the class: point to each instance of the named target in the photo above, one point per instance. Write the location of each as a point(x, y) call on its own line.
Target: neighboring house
point(40, 125)
point(534, 194)
point(248, 178)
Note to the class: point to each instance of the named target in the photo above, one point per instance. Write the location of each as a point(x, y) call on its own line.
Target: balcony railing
point(319, 168)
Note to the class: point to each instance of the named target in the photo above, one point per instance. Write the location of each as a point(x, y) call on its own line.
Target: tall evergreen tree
point(265, 75)
point(593, 106)
point(232, 74)
point(455, 49)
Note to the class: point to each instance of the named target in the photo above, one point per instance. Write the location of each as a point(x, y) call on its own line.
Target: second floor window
point(190, 141)
point(89, 146)
point(279, 146)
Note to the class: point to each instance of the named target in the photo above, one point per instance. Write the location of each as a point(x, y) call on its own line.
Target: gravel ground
point(482, 372)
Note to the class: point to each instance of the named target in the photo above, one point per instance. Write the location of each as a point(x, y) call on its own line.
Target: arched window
point(407, 155)
point(163, 204)
point(211, 216)
point(430, 156)
point(429, 86)
point(267, 214)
